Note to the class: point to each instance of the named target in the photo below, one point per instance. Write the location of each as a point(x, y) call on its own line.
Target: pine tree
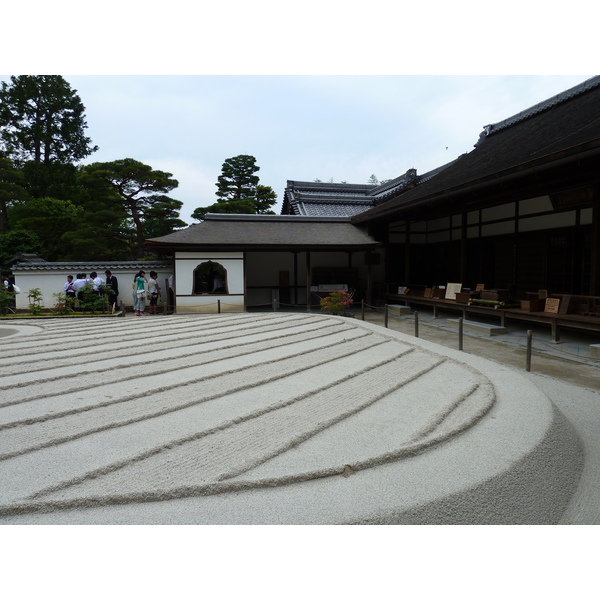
point(237, 180)
point(238, 191)
point(139, 191)
point(42, 119)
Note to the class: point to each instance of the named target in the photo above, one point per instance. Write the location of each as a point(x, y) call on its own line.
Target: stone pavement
point(567, 361)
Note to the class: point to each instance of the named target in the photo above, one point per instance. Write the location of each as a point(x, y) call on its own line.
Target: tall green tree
point(238, 190)
point(42, 119)
point(102, 231)
point(42, 130)
point(48, 219)
point(237, 180)
point(12, 181)
point(139, 191)
point(17, 241)
point(265, 198)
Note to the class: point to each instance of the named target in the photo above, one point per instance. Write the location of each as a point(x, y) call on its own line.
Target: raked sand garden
point(270, 418)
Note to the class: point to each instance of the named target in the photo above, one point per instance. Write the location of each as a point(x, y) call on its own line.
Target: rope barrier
point(387, 313)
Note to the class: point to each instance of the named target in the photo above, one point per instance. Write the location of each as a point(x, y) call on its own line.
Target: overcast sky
point(339, 90)
point(343, 128)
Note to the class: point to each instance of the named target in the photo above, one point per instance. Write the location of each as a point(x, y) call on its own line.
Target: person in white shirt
point(97, 282)
point(78, 285)
point(68, 288)
point(153, 292)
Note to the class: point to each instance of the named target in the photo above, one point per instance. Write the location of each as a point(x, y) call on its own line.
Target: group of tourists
point(142, 289)
point(145, 288)
point(74, 289)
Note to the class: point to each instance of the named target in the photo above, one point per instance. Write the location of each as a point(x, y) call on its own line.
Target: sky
point(337, 90)
point(298, 127)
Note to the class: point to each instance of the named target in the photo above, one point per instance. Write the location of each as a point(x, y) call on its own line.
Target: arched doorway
point(210, 278)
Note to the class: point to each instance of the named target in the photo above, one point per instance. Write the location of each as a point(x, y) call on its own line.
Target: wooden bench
point(555, 320)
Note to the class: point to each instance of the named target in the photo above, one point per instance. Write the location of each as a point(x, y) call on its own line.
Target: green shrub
point(35, 298)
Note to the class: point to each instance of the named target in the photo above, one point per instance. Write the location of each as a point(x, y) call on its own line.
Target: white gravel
point(277, 418)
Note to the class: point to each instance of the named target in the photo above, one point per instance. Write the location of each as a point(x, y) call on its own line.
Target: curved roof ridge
point(585, 86)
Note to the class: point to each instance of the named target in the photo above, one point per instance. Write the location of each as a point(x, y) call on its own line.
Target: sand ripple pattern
point(131, 410)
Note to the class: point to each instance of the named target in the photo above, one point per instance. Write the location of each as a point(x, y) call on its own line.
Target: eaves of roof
point(568, 130)
point(244, 232)
point(547, 104)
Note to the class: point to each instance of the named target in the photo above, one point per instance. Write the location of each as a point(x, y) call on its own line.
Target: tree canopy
point(237, 180)
point(11, 190)
point(238, 190)
point(42, 119)
point(140, 193)
point(52, 205)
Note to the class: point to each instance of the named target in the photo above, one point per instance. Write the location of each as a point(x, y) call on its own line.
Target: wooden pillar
point(308, 281)
point(595, 258)
point(369, 278)
point(295, 278)
point(407, 254)
point(463, 247)
point(244, 263)
point(516, 251)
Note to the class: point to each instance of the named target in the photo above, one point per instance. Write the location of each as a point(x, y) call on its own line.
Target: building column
point(295, 279)
point(407, 254)
point(464, 257)
point(308, 281)
point(595, 258)
point(244, 263)
point(369, 299)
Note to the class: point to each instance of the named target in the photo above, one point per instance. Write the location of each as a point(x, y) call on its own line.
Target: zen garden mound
point(270, 418)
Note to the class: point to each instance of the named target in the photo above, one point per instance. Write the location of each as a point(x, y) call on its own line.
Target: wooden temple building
point(517, 217)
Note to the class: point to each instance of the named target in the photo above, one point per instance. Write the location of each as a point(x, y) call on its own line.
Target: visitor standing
point(153, 292)
point(8, 286)
point(97, 283)
point(8, 303)
point(68, 288)
point(139, 293)
point(79, 284)
point(218, 283)
point(113, 287)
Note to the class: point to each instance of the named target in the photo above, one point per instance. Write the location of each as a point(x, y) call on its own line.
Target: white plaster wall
point(49, 283)
point(187, 302)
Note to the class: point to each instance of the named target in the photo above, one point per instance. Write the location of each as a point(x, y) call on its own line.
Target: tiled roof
point(310, 198)
point(587, 85)
point(87, 267)
point(319, 208)
point(344, 199)
point(562, 127)
point(234, 231)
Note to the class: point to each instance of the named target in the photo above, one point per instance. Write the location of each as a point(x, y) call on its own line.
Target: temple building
point(519, 213)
